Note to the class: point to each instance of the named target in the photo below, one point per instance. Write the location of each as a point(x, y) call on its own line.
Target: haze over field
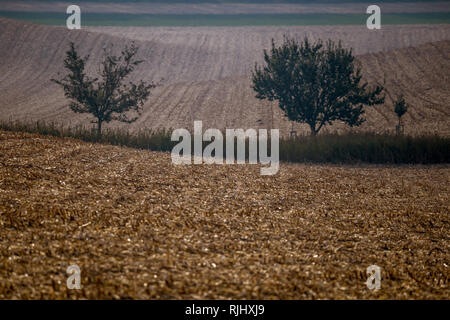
point(227, 7)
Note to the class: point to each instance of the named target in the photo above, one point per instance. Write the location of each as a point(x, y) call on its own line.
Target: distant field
point(207, 71)
point(193, 20)
point(227, 7)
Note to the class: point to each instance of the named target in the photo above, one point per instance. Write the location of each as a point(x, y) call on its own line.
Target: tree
point(315, 83)
point(106, 99)
point(400, 108)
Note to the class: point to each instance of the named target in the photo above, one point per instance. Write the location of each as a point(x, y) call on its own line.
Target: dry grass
point(140, 227)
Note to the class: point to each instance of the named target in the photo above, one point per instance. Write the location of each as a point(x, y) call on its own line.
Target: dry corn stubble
point(140, 227)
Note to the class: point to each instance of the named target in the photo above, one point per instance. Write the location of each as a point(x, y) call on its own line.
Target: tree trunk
point(313, 130)
point(399, 127)
point(99, 127)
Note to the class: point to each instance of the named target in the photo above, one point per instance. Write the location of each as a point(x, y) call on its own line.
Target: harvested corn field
point(140, 227)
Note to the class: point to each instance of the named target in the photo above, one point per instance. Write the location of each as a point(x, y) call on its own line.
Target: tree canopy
point(315, 83)
point(106, 98)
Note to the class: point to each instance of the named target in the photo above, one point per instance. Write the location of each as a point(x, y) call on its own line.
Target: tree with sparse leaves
point(315, 83)
point(400, 108)
point(106, 98)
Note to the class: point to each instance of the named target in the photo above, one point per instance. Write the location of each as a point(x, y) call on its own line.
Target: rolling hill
point(207, 71)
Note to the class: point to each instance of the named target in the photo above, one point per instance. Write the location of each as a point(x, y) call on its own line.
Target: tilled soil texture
point(206, 73)
point(140, 227)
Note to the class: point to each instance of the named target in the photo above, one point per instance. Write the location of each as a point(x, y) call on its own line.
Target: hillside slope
point(206, 72)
